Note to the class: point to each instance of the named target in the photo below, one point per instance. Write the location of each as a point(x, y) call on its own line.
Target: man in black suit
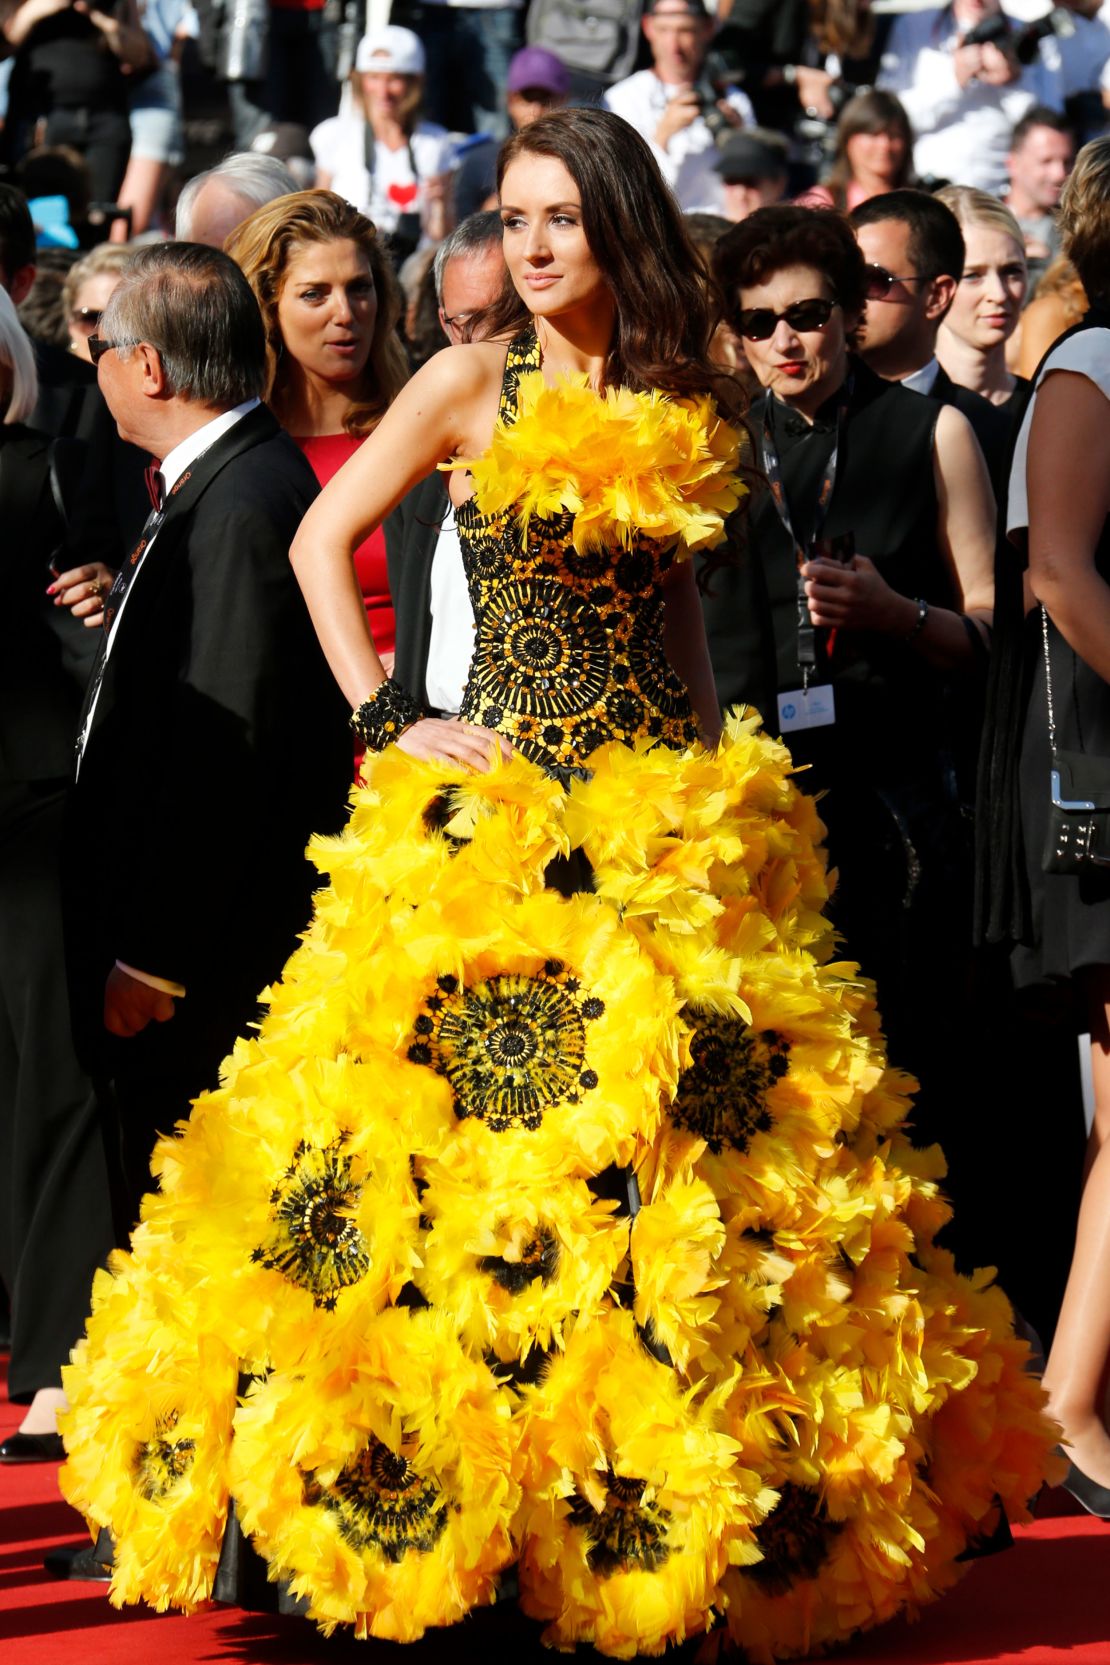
point(213, 740)
point(914, 249)
point(434, 623)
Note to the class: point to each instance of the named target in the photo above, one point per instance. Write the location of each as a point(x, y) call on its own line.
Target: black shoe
point(81, 1561)
point(33, 1448)
point(1094, 1498)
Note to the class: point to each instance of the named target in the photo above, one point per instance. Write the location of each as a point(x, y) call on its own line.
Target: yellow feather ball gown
point(560, 1216)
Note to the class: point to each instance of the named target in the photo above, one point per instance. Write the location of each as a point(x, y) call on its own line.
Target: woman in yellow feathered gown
point(559, 1217)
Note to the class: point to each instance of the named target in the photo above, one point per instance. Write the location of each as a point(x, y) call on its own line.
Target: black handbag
point(1078, 838)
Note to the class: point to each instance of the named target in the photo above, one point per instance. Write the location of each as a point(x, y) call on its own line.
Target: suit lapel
point(258, 425)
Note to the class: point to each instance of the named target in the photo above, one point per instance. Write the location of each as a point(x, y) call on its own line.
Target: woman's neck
point(578, 343)
point(388, 131)
point(807, 404)
point(310, 407)
point(969, 367)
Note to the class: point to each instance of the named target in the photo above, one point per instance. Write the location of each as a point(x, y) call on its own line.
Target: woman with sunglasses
point(871, 566)
point(88, 287)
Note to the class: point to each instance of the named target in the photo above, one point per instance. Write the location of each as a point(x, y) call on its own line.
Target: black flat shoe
point(32, 1448)
point(1094, 1498)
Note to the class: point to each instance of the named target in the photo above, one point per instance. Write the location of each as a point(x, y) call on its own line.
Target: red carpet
point(1046, 1602)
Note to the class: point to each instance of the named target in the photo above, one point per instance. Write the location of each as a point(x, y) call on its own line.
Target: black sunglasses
point(758, 323)
point(86, 315)
point(880, 282)
point(98, 347)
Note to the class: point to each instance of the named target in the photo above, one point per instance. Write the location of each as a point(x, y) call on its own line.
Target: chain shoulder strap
point(1048, 682)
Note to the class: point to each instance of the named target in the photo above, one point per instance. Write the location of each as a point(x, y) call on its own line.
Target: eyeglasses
point(459, 320)
point(880, 282)
point(98, 347)
point(85, 317)
point(758, 323)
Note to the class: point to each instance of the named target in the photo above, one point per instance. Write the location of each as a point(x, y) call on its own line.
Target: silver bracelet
point(919, 623)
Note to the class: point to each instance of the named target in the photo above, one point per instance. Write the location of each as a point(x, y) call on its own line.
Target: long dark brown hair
point(870, 111)
point(666, 307)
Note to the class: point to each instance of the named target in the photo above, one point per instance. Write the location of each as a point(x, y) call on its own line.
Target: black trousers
point(55, 1220)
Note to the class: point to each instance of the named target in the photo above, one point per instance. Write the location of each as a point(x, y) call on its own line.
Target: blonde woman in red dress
point(331, 303)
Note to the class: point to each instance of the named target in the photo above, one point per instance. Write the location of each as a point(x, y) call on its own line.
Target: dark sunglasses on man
point(98, 347)
point(880, 282)
point(758, 323)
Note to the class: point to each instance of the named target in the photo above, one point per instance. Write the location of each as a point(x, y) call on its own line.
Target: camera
point(1022, 43)
point(722, 69)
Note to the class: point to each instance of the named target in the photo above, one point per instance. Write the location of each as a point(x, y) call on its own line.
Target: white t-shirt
point(963, 133)
point(451, 642)
point(339, 148)
point(1089, 354)
point(686, 164)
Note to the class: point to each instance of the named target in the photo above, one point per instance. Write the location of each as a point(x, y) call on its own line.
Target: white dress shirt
point(922, 380)
point(173, 467)
point(963, 133)
point(687, 162)
point(451, 642)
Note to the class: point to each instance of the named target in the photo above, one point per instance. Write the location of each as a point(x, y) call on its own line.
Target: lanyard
point(807, 634)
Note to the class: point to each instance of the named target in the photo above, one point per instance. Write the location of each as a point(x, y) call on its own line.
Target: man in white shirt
point(213, 739)
point(431, 602)
point(673, 107)
point(964, 95)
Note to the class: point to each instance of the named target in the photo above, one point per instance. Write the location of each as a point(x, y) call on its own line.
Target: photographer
point(965, 78)
point(684, 103)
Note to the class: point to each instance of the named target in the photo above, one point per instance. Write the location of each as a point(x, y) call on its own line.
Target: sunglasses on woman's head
point(758, 323)
point(880, 282)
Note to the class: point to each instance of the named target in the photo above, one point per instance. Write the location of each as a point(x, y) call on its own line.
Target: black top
point(66, 64)
point(885, 498)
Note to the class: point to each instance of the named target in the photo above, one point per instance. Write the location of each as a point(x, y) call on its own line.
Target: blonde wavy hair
point(972, 207)
point(1085, 218)
point(262, 248)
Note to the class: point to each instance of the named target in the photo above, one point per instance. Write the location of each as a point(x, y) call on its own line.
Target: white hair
point(257, 179)
point(18, 356)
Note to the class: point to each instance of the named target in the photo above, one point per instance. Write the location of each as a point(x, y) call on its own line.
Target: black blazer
point(47, 653)
point(218, 745)
point(411, 534)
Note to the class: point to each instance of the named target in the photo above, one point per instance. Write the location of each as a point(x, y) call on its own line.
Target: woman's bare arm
point(686, 647)
point(437, 415)
point(1068, 481)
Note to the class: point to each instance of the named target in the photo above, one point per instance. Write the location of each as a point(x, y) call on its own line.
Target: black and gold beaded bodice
point(568, 647)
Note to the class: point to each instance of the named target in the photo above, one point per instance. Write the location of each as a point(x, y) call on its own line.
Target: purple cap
point(535, 66)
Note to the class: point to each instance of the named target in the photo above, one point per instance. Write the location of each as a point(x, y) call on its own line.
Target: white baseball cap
point(390, 51)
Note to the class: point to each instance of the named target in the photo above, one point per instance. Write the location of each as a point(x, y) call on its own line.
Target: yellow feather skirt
point(571, 1233)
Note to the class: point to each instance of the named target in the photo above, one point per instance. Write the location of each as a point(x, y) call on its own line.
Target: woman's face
point(387, 94)
point(89, 302)
point(802, 367)
point(327, 310)
point(879, 155)
point(991, 291)
point(549, 259)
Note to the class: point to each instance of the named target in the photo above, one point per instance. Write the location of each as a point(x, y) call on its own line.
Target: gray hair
point(471, 237)
point(193, 305)
point(18, 356)
point(257, 179)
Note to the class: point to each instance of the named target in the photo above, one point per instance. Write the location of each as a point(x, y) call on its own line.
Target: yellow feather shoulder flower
point(625, 465)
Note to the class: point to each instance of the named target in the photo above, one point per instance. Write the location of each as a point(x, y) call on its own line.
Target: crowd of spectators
point(878, 196)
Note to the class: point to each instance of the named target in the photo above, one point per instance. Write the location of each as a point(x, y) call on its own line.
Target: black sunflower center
point(379, 1499)
point(511, 1046)
point(795, 1540)
point(314, 1240)
point(161, 1462)
point(627, 1535)
point(722, 1093)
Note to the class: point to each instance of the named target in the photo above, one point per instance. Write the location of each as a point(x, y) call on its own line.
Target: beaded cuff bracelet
point(385, 716)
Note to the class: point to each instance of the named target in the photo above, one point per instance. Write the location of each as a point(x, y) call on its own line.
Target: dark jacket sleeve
point(252, 743)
